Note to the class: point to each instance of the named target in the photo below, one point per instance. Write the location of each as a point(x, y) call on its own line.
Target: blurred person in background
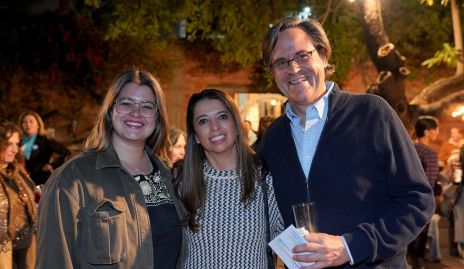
point(264, 122)
point(112, 206)
point(454, 142)
point(18, 211)
point(42, 154)
point(251, 134)
point(177, 143)
point(453, 203)
point(426, 130)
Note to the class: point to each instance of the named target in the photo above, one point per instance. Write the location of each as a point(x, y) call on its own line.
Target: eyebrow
point(219, 112)
point(298, 52)
point(134, 100)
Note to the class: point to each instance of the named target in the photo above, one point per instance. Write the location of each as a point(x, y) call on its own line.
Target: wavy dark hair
point(193, 189)
point(7, 129)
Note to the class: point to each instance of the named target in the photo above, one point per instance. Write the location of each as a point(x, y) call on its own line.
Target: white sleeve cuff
point(347, 249)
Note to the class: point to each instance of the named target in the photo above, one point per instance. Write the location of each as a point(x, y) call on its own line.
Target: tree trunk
point(388, 61)
point(457, 37)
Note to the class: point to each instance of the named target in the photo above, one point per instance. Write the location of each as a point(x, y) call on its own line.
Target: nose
point(214, 125)
point(293, 67)
point(14, 149)
point(182, 152)
point(136, 109)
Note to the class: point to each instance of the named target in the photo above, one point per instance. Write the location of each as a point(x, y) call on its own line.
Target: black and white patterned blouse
point(232, 235)
point(165, 226)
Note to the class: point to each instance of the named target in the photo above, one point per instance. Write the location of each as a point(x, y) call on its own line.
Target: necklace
point(144, 168)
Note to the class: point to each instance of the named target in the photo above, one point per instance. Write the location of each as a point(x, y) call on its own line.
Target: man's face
point(300, 83)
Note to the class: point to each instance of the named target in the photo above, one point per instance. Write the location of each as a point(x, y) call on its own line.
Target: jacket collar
point(109, 158)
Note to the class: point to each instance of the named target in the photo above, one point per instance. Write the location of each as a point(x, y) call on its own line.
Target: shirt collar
point(320, 105)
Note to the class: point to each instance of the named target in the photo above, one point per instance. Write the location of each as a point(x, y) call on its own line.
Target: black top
point(41, 154)
point(164, 221)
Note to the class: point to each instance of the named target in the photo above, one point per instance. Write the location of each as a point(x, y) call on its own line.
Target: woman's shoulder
point(84, 161)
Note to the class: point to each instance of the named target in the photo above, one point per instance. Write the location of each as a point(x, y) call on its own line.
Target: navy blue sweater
point(366, 179)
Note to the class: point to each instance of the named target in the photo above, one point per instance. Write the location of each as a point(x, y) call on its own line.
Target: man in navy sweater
point(347, 153)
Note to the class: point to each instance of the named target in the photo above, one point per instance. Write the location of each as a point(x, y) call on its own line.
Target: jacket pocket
point(106, 236)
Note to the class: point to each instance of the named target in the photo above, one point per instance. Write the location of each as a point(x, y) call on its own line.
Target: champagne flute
point(305, 217)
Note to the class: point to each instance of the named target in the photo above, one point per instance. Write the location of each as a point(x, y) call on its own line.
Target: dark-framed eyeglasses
point(302, 58)
point(126, 105)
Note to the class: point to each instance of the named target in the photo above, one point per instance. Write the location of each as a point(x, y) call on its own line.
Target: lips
point(298, 80)
point(217, 138)
point(134, 124)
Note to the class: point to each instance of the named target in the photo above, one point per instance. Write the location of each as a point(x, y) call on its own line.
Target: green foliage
point(448, 55)
point(235, 28)
point(431, 2)
point(416, 30)
point(91, 39)
point(346, 39)
point(93, 3)
point(142, 19)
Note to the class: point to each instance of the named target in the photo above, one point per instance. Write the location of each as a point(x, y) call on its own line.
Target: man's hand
point(326, 250)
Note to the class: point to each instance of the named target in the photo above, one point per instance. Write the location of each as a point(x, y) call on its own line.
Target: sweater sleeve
point(275, 217)
point(410, 204)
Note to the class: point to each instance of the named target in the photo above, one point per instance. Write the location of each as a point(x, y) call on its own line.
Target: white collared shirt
point(306, 137)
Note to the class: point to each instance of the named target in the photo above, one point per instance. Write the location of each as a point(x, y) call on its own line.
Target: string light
point(458, 113)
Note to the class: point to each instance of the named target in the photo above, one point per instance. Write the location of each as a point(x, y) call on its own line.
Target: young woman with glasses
point(113, 205)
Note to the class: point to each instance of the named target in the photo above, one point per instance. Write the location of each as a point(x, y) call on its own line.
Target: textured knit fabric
point(231, 235)
point(429, 160)
point(164, 221)
point(366, 179)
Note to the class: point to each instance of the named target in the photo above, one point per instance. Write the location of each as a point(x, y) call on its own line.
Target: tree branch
point(327, 11)
point(438, 106)
point(439, 88)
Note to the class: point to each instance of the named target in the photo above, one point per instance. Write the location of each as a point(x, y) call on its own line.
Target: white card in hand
point(283, 244)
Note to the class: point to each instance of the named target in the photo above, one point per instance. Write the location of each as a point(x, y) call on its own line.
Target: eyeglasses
point(302, 58)
point(127, 105)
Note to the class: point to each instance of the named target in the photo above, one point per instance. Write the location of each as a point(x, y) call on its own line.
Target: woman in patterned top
point(221, 188)
point(113, 206)
point(18, 211)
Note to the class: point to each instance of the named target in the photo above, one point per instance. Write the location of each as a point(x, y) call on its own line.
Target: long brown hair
point(7, 129)
point(100, 136)
point(193, 190)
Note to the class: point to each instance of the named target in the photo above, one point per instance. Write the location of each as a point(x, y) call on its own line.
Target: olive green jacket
point(92, 214)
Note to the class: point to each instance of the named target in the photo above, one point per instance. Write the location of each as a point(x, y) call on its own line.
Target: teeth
point(135, 124)
point(297, 80)
point(217, 138)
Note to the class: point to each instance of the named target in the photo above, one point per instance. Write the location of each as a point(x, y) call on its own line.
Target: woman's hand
point(47, 168)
